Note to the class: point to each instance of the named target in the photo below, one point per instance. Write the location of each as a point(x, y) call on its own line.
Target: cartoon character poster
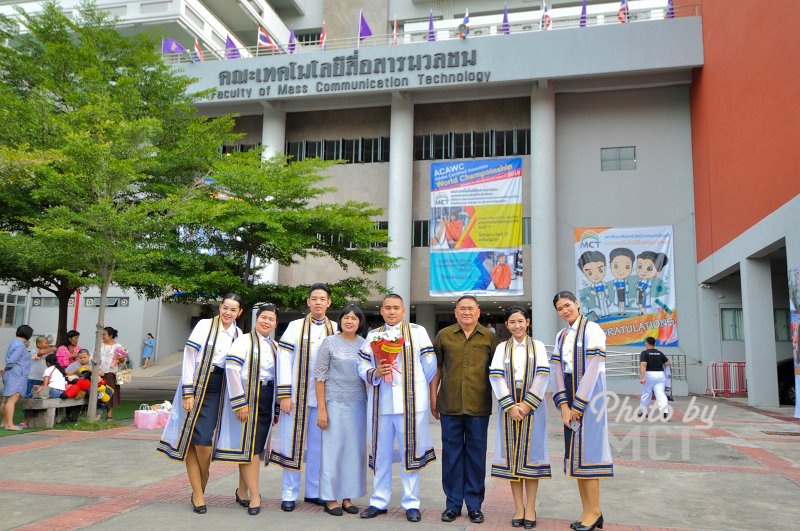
point(476, 228)
point(626, 283)
point(794, 308)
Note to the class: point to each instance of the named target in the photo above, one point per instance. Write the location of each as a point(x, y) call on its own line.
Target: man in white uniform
point(398, 409)
point(298, 433)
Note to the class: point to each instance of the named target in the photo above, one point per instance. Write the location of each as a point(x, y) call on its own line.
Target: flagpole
point(358, 32)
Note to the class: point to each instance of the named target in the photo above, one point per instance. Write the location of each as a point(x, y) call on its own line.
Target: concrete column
point(273, 141)
point(544, 280)
point(759, 333)
point(426, 317)
point(401, 164)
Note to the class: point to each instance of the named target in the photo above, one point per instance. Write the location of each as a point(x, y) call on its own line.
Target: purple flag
point(505, 27)
point(670, 10)
point(363, 28)
point(171, 46)
point(583, 14)
point(431, 31)
point(292, 44)
point(231, 51)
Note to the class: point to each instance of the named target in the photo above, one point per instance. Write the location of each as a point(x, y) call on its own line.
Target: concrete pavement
point(716, 465)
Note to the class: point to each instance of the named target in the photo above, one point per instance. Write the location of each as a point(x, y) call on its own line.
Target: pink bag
point(145, 419)
point(162, 416)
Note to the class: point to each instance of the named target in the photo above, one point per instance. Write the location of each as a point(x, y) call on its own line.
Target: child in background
point(83, 362)
point(36, 374)
point(54, 379)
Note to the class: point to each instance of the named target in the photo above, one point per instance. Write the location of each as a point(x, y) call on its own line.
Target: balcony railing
point(490, 26)
point(626, 364)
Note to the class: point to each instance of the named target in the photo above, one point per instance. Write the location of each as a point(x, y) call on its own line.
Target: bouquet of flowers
point(122, 353)
point(386, 346)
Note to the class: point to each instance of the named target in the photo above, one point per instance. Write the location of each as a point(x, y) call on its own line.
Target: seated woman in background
point(68, 351)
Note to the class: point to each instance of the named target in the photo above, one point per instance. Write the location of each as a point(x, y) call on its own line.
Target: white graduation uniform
point(519, 372)
point(399, 410)
point(298, 436)
point(207, 342)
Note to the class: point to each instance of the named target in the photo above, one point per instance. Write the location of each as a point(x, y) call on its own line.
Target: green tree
point(130, 146)
point(258, 211)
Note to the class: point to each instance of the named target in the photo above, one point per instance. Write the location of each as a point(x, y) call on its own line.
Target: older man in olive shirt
point(463, 401)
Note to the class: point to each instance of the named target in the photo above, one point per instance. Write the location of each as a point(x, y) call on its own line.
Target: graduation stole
point(201, 376)
point(301, 409)
point(578, 351)
point(411, 461)
point(530, 368)
point(252, 393)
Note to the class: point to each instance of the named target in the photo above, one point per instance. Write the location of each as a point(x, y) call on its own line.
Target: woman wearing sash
point(579, 366)
point(519, 374)
point(248, 407)
point(189, 433)
point(342, 415)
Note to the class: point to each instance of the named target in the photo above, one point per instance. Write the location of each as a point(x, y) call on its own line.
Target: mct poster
point(476, 228)
point(626, 283)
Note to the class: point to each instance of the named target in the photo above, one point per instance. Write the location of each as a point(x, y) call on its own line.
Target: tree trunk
point(63, 294)
point(98, 342)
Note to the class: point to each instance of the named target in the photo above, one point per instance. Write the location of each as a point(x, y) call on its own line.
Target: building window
point(473, 144)
point(308, 38)
point(12, 310)
point(111, 302)
point(49, 302)
point(618, 158)
point(732, 324)
point(420, 236)
point(783, 326)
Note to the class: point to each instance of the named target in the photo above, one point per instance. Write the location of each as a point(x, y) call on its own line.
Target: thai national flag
point(622, 14)
point(265, 41)
point(198, 53)
point(292, 43)
point(466, 22)
point(394, 31)
point(323, 36)
point(544, 24)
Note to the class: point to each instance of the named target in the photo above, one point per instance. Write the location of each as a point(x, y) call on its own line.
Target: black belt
point(218, 370)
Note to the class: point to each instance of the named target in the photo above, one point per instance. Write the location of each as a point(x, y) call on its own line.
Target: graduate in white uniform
point(398, 410)
point(299, 436)
point(247, 409)
point(519, 374)
point(578, 365)
point(191, 429)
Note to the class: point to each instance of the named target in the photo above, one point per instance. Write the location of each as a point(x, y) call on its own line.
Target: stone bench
point(42, 412)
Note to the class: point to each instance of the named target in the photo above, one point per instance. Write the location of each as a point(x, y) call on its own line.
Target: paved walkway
point(715, 465)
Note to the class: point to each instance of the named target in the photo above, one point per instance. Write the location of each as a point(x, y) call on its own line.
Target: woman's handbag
point(124, 376)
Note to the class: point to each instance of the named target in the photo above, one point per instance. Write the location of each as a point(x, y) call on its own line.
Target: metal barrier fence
point(626, 364)
point(446, 30)
point(726, 378)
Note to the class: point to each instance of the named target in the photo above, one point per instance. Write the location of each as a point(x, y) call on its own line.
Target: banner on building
point(626, 283)
point(794, 308)
point(476, 228)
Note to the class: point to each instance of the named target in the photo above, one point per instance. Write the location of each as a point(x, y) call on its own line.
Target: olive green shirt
point(464, 365)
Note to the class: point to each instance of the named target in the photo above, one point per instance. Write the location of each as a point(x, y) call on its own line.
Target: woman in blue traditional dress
point(191, 429)
point(342, 415)
point(247, 410)
point(15, 375)
point(519, 373)
point(579, 366)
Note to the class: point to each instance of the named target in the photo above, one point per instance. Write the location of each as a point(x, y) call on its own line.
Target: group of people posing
point(46, 371)
point(341, 408)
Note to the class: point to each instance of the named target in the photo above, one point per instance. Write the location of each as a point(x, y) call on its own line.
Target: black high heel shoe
point(597, 525)
point(199, 509)
point(243, 503)
point(252, 511)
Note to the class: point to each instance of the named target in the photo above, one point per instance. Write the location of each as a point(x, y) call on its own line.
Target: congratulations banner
point(476, 228)
point(625, 282)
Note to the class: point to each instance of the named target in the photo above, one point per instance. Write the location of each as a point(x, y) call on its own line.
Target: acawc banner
point(476, 228)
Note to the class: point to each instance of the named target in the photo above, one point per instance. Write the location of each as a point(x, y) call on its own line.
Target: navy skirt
point(208, 416)
point(265, 415)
